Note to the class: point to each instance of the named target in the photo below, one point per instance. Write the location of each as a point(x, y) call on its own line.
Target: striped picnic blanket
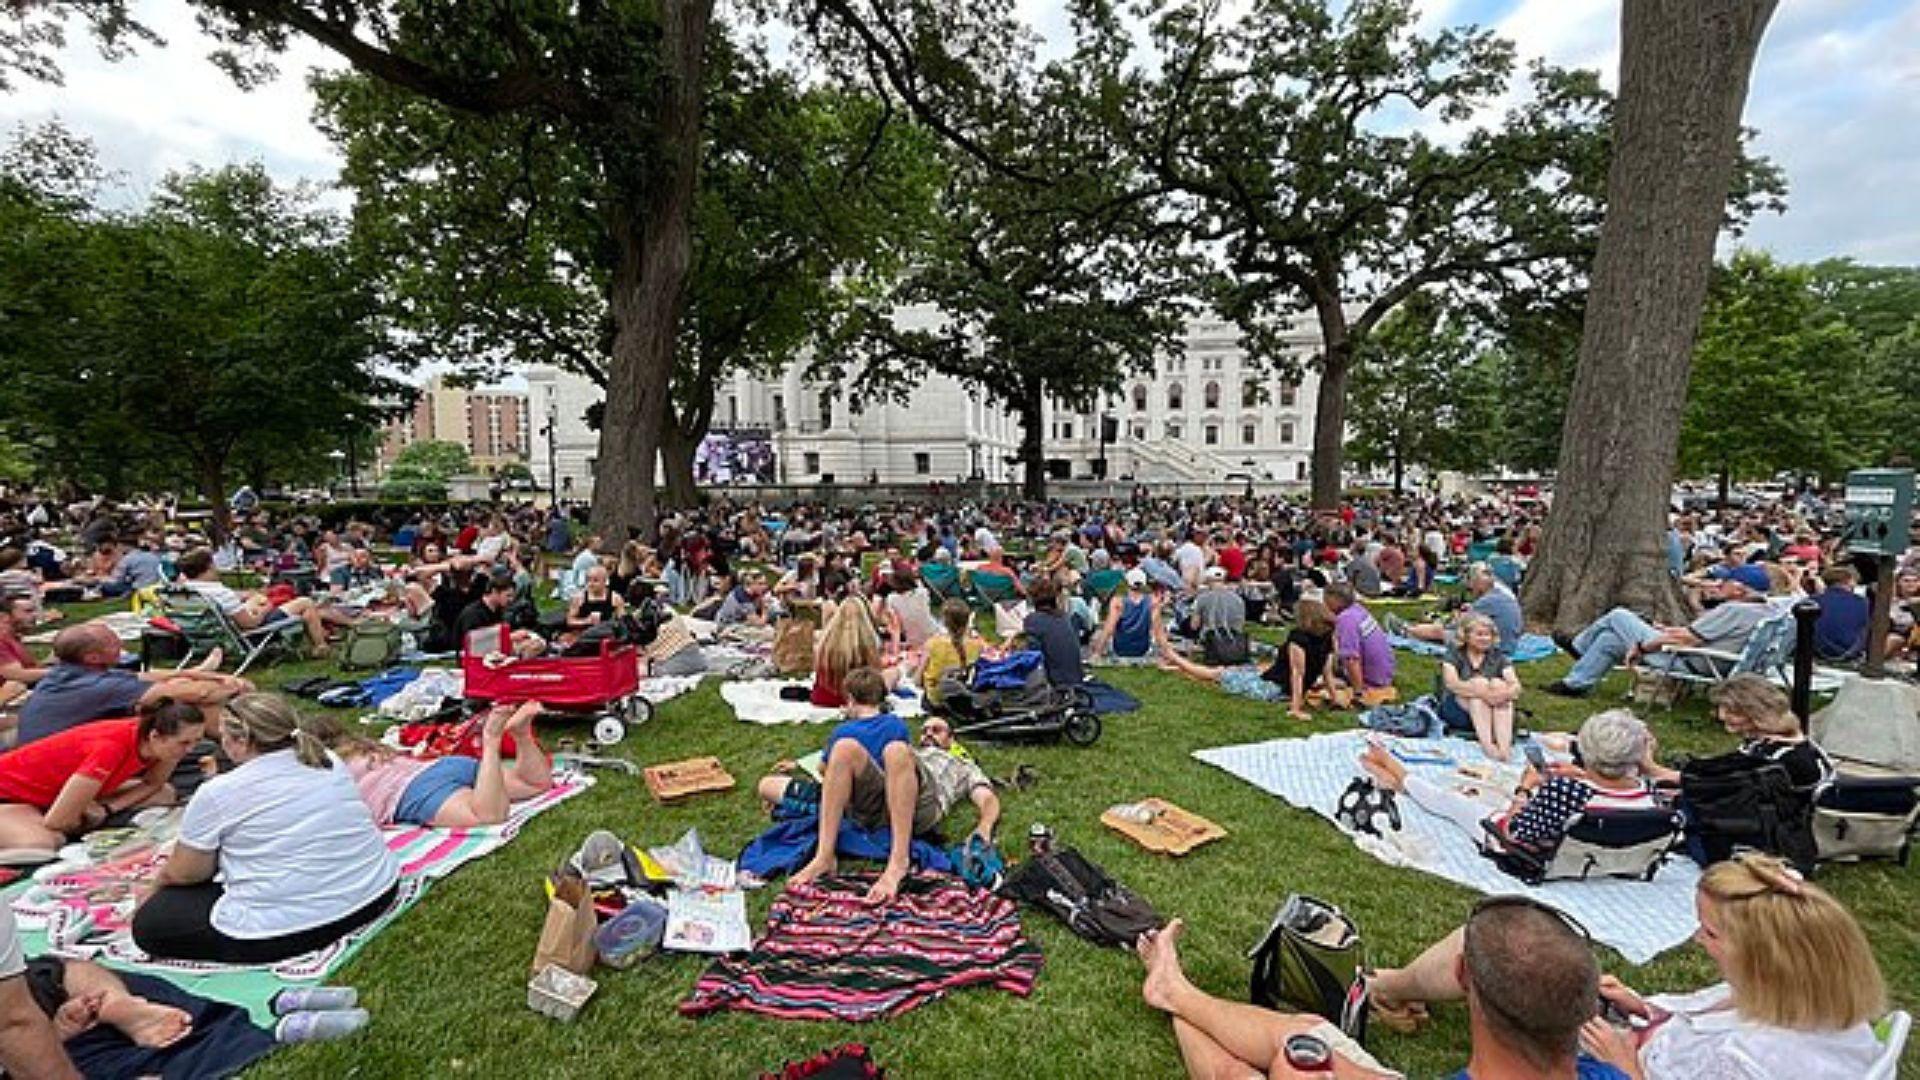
point(827, 955)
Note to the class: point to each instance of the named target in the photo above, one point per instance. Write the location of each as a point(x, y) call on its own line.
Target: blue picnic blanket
point(1532, 647)
point(1108, 700)
point(788, 845)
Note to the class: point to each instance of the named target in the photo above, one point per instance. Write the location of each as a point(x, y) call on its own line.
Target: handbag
point(793, 646)
point(1311, 958)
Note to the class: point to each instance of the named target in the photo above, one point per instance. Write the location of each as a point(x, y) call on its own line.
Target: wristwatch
point(1309, 1053)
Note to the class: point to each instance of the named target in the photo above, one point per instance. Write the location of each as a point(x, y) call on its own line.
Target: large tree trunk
point(648, 292)
point(1330, 408)
point(676, 465)
point(213, 488)
point(1399, 472)
point(1033, 457)
point(1684, 70)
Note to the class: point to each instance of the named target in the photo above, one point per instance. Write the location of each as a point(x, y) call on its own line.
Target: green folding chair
point(206, 627)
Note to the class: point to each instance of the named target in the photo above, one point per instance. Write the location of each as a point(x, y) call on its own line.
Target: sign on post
point(1879, 511)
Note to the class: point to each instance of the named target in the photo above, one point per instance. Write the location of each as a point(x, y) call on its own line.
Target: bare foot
point(887, 886)
point(1380, 765)
point(496, 723)
point(214, 658)
point(520, 721)
point(146, 1023)
point(814, 870)
point(1160, 951)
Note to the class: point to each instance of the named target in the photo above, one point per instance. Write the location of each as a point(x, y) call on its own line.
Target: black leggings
point(177, 924)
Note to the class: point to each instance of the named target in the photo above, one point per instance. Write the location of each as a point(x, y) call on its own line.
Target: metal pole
point(1805, 614)
point(353, 467)
point(1879, 622)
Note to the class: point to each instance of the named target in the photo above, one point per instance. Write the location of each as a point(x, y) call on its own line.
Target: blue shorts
point(1246, 682)
point(429, 791)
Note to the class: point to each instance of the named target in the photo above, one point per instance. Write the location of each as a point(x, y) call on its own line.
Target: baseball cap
point(1215, 573)
point(1136, 578)
point(1752, 576)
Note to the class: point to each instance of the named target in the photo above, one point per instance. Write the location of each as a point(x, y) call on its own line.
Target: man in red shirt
point(1229, 554)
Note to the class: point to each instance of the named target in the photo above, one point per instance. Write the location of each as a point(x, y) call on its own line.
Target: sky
point(1835, 99)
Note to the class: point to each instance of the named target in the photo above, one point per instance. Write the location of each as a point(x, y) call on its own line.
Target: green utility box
point(1879, 511)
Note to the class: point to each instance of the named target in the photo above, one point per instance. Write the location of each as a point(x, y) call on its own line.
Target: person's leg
point(1481, 714)
point(1246, 1034)
point(485, 803)
point(176, 923)
point(1605, 643)
point(1206, 1059)
point(1502, 716)
point(903, 798)
point(304, 610)
point(1432, 977)
point(144, 1022)
point(847, 761)
point(1173, 661)
point(23, 826)
point(1433, 632)
point(771, 790)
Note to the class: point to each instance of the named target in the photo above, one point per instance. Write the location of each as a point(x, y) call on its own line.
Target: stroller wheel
point(1083, 728)
point(608, 730)
point(636, 710)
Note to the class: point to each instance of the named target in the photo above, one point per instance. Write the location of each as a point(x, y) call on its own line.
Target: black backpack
point(1223, 647)
point(1081, 894)
point(1737, 801)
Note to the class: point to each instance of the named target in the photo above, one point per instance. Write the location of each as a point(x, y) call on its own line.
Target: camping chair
point(943, 582)
point(1892, 1031)
point(206, 627)
point(1101, 586)
point(1768, 652)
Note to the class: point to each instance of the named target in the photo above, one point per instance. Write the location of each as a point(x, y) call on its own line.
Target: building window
point(1247, 433)
point(1066, 430)
point(779, 412)
point(1139, 397)
point(1140, 432)
point(810, 463)
point(1249, 394)
point(1173, 430)
point(1299, 470)
point(1286, 433)
point(923, 464)
point(1212, 434)
point(1288, 393)
point(1174, 396)
point(1212, 395)
point(733, 411)
point(826, 410)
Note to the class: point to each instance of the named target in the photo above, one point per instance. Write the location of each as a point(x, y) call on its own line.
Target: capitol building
point(1205, 415)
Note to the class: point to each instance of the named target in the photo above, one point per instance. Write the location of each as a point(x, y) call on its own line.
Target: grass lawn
point(446, 983)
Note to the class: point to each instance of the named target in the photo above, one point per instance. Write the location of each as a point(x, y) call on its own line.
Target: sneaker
point(1394, 624)
point(313, 999)
point(1561, 688)
point(1565, 641)
point(319, 1026)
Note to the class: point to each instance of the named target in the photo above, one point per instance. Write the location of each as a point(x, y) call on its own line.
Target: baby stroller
point(1010, 700)
point(602, 685)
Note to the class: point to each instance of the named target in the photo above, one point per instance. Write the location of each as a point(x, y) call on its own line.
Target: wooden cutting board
point(1172, 831)
point(680, 779)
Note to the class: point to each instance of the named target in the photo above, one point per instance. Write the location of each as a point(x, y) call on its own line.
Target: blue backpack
point(1417, 719)
point(1011, 672)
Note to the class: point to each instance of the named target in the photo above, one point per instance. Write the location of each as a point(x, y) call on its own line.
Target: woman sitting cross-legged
point(1801, 988)
point(1478, 686)
point(66, 784)
point(454, 792)
point(1613, 746)
point(1304, 662)
point(300, 861)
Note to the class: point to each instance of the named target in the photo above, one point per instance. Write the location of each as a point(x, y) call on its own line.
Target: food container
point(559, 993)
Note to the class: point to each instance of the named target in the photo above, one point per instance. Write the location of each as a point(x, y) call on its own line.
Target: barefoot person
point(872, 774)
point(454, 792)
point(1303, 663)
point(79, 996)
point(1227, 1040)
point(1478, 686)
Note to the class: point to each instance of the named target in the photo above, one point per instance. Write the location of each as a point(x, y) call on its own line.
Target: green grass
point(446, 984)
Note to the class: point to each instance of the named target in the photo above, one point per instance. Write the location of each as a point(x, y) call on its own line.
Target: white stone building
point(1192, 419)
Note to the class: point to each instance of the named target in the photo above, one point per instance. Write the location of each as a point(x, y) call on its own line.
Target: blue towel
point(1532, 647)
point(1108, 700)
point(788, 845)
point(224, 1040)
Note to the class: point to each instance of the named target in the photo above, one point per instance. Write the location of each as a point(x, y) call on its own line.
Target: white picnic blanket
point(758, 701)
point(663, 688)
point(1641, 919)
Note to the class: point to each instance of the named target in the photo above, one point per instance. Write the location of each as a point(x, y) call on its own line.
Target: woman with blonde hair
point(299, 860)
point(1478, 685)
point(1303, 663)
point(849, 640)
point(1801, 989)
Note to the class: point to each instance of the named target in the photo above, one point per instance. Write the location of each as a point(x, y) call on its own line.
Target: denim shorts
point(429, 791)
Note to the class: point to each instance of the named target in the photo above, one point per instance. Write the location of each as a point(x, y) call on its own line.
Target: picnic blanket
point(664, 688)
point(787, 845)
point(126, 625)
point(1531, 647)
point(1109, 700)
point(829, 955)
point(1640, 919)
point(85, 915)
point(224, 1040)
point(758, 701)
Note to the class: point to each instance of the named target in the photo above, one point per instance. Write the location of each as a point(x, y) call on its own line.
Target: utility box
point(1879, 511)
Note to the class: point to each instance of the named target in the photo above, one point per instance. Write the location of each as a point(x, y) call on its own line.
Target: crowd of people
point(279, 846)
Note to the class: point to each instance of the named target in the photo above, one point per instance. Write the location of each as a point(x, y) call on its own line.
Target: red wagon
point(605, 685)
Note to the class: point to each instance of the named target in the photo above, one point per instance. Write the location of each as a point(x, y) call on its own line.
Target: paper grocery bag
point(567, 937)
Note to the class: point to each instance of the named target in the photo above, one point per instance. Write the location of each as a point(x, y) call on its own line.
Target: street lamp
point(338, 458)
point(553, 468)
point(353, 468)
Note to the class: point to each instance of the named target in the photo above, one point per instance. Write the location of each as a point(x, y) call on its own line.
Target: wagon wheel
point(1083, 728)
point(609, 730)
point(636, 710)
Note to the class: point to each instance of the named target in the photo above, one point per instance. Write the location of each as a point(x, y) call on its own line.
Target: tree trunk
point(677, 447)
point(1033, 458)
point(1399, 472)
point(1726, 483)
point(213, 488)
point(648, 292)
point(1684, 70)
point(1330, 407)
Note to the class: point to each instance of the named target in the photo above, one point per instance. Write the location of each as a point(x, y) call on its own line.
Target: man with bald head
point(86, 684)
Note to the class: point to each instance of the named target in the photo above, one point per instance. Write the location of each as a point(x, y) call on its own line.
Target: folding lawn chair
point(1102, 586)
point(1768, 653)
point(206, 627)
point(943, 582)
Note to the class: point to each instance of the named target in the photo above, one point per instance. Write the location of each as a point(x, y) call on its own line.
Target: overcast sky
point(1836, 99)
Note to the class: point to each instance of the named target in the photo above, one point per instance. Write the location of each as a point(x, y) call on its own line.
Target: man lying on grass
point(874, 773)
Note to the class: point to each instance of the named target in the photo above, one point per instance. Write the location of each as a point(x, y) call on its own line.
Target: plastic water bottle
point(1039, 839)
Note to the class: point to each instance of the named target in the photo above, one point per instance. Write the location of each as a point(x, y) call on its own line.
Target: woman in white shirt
point(1802, 989)
point(299, 859)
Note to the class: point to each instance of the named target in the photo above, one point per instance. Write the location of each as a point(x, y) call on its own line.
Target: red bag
point(281, 593)
point(446, 740)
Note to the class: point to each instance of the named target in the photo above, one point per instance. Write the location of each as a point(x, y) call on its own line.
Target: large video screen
point(734, 457)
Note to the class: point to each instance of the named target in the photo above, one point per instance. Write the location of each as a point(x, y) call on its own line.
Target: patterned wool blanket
point(828, 955)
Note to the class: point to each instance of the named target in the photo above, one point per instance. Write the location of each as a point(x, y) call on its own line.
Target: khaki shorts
point(868, 803)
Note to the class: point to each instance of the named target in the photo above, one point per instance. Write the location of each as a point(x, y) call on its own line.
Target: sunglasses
point(1512, 900)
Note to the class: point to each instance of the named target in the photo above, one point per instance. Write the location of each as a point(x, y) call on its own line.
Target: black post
point(1805, 613)
point(1880, 618)
point(353, 466)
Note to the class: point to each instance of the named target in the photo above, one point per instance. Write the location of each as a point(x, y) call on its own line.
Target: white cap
point(1137, 578)
point(1216, 573)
